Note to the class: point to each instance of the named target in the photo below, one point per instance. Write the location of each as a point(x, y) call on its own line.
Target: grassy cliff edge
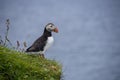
point(19, 66)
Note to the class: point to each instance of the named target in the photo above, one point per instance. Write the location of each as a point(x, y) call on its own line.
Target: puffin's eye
point(50, 25)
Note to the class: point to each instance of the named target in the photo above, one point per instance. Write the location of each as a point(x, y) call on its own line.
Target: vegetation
point(17, 66)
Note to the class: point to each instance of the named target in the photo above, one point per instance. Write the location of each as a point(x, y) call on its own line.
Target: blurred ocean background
point(88, 42)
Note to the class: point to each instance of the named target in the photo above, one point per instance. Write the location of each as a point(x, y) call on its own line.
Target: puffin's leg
point(41, 55)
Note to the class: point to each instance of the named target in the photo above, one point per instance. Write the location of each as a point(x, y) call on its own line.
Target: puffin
point(45, 41)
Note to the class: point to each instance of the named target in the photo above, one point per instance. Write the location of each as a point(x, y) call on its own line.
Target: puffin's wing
point(38, 45)
point(32, 49)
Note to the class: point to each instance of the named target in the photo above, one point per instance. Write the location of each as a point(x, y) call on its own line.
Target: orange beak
point(56, 30)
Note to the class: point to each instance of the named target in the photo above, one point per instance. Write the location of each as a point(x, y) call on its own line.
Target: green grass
point(19, 66)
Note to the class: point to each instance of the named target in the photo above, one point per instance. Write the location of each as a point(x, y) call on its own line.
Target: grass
point(19, 66)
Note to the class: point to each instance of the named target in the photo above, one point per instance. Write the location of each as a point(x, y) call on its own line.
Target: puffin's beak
point(55, 30)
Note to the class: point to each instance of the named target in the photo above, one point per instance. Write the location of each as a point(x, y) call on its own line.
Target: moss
point(19, 66)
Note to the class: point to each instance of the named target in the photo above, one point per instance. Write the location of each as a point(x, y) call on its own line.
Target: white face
point(50, 27)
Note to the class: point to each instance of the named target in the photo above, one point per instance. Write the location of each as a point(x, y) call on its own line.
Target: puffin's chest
point(49, 42)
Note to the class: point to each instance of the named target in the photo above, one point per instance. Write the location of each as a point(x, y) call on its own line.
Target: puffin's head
point(51, 28)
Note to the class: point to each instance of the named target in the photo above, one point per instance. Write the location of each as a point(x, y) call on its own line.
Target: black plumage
point(39, 44)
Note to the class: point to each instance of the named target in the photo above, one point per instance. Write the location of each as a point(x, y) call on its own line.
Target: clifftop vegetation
point(19, 66)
